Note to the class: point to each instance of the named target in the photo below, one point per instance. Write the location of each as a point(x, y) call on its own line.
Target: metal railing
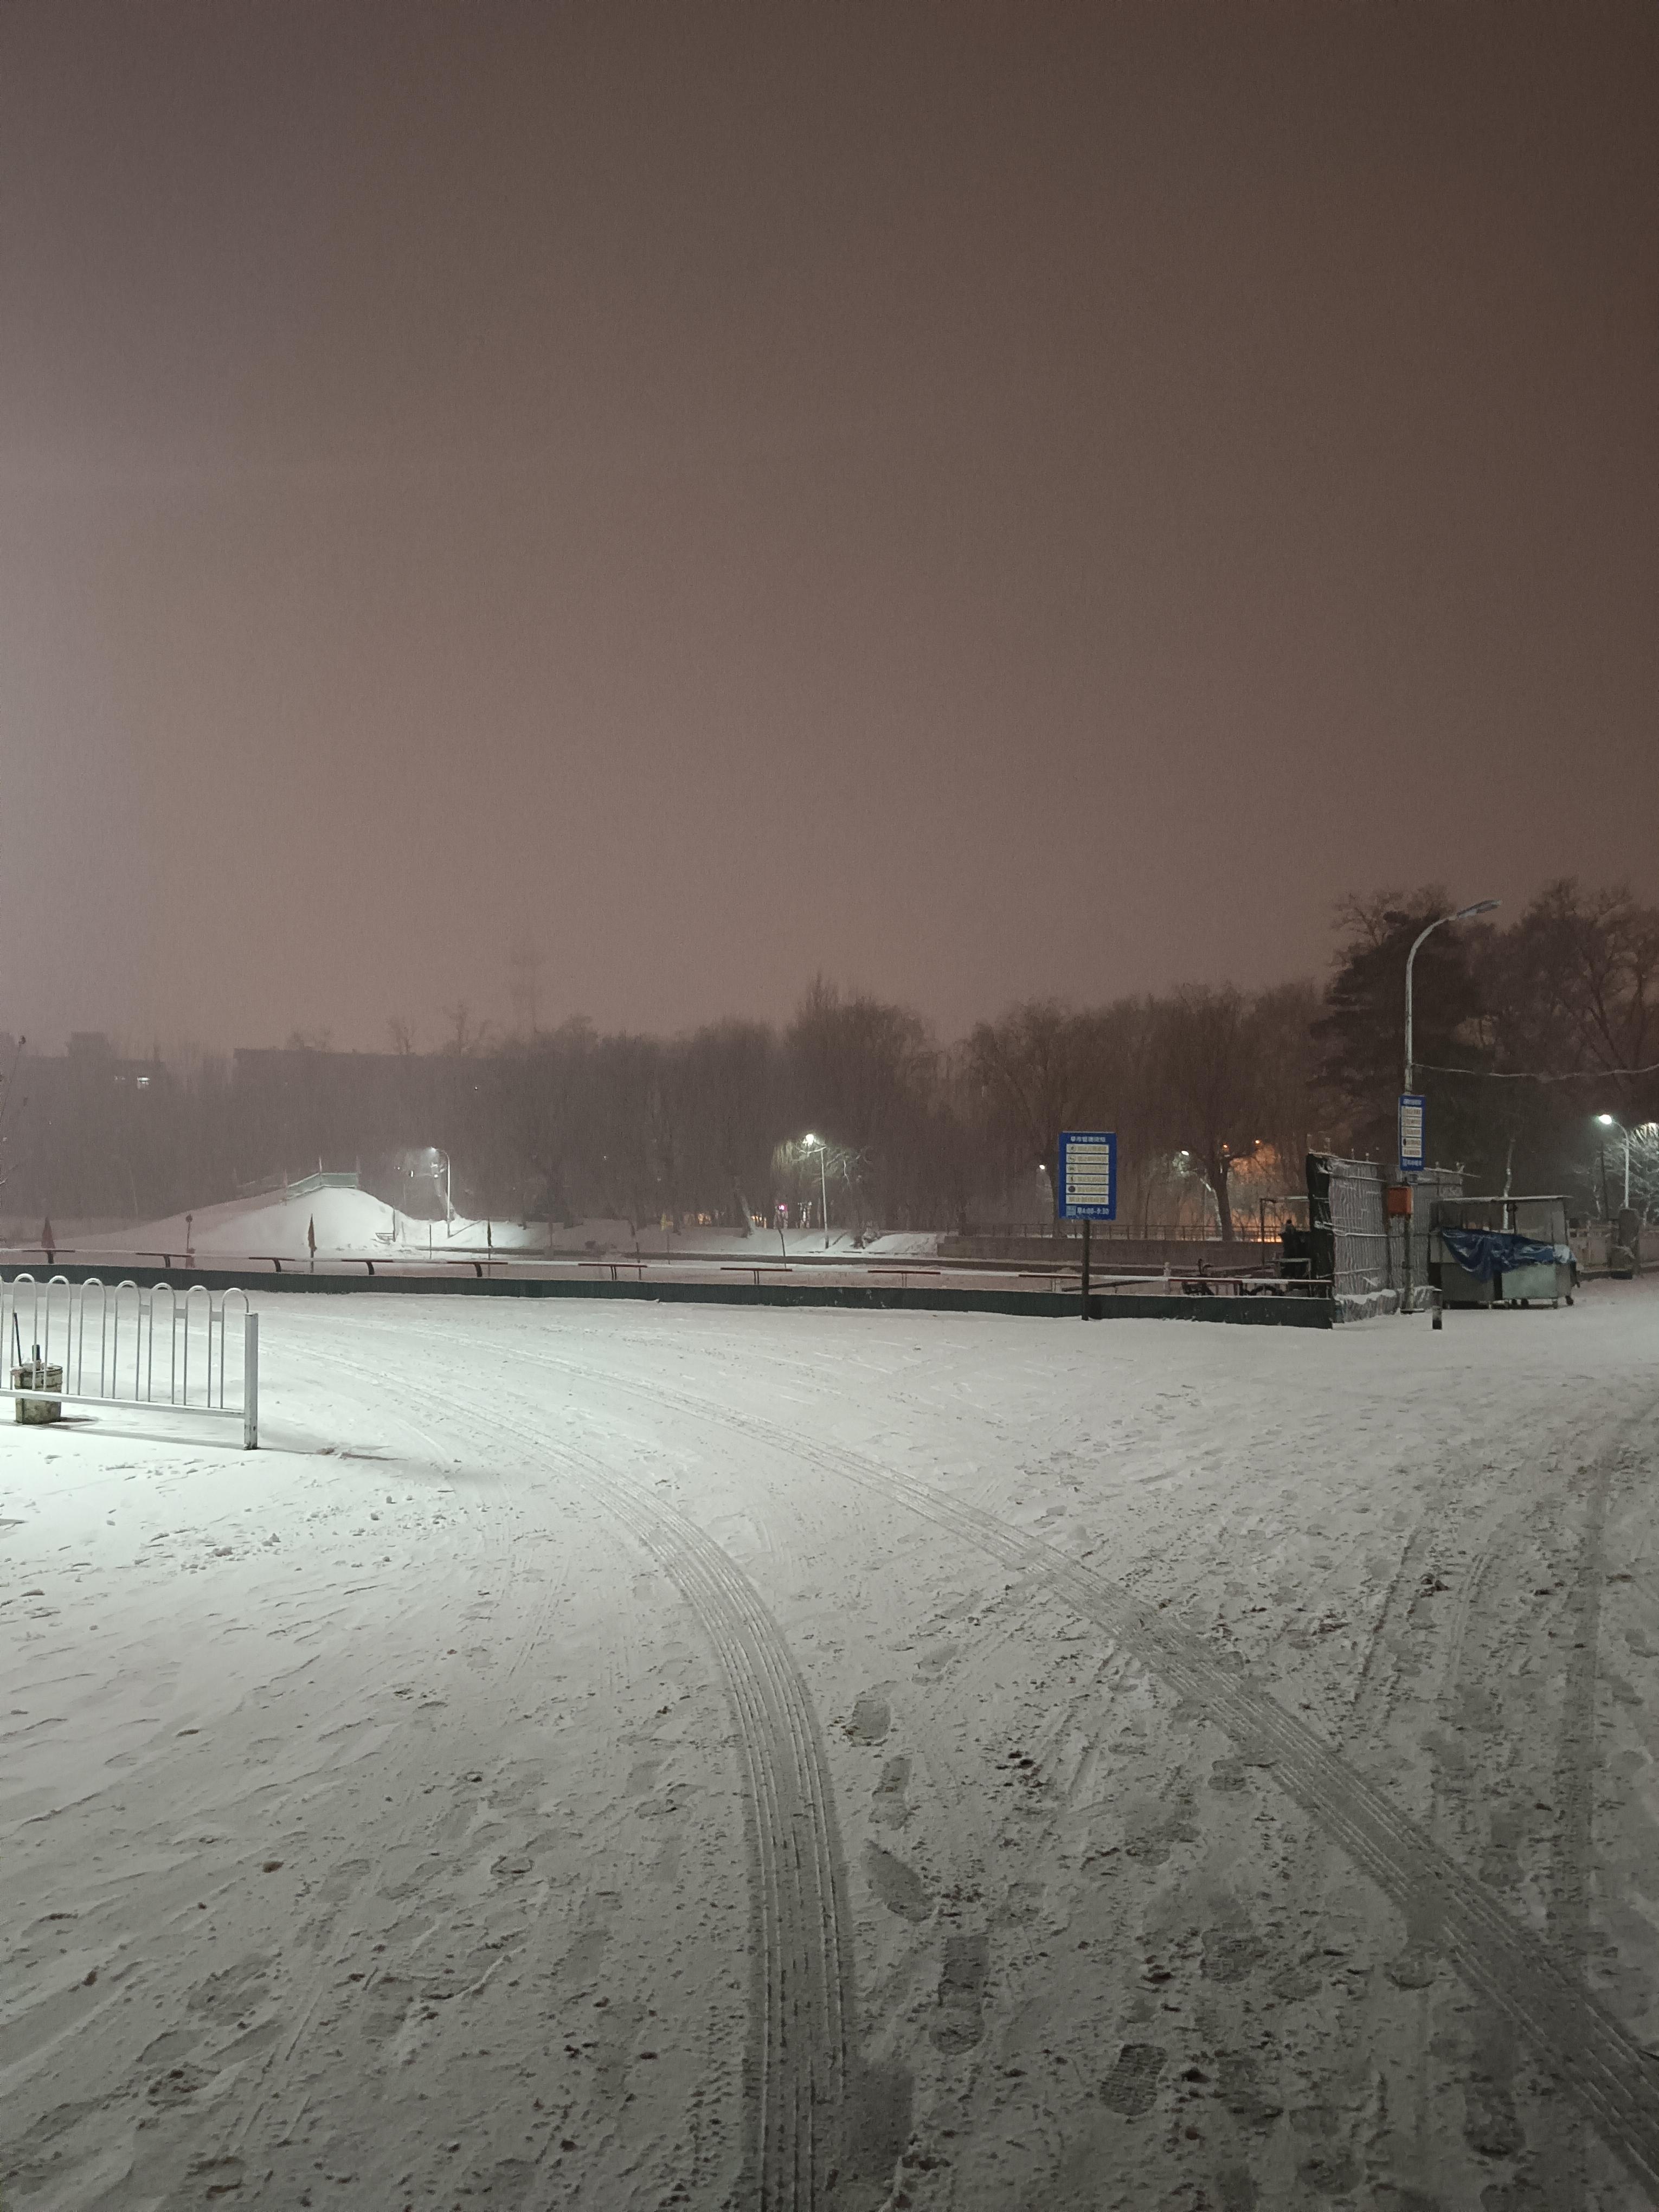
point(1126, 1230)
point(94, 1343)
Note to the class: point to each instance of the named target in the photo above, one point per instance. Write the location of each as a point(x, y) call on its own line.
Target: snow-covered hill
point(350, 1224)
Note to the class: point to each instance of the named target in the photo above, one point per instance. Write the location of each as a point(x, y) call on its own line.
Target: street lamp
point(1480, 906)
point(449, 1211)
point(1610, 1122)
point(816, 1144)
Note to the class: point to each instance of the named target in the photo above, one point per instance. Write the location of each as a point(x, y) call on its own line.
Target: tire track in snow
point(1484, 1614)
point(800, 2020)
point(1610, 2075)
point(1571, 1856)
point(1575, 1740)
point(1471, 1543)
point(797, 2064)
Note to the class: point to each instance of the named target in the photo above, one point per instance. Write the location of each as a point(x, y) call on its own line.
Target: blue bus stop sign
point(1087, 1174)
point(1412, 1156)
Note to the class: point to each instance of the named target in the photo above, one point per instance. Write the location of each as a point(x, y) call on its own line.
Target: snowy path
point(649, 1757)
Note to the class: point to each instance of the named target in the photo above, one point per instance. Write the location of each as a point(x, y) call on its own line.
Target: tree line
point(1524, 1032)
point(1536, 1042)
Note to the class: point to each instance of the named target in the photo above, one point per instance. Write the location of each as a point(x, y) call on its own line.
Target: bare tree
point(860, 1069)
point(1589, 965)
point(1041, 1068)
point(1219, 1079)
point(729, 1074)
point(466, 1035)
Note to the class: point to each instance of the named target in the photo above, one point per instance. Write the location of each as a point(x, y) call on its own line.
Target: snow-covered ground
point(656, 1756)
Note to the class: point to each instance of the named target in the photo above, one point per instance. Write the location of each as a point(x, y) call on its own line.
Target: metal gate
point(118, 1344)
point(1356, 1242)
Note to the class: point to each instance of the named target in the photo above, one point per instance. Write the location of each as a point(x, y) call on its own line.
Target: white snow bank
point(346, 1223)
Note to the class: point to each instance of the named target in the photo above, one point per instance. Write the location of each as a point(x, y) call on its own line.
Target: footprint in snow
point(961, 1994)
point(871, 1718)
point(887, 1807)
point(898, 1887)
point(1131, 2087)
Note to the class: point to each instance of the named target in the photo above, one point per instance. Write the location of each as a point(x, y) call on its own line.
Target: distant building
point(82, 1131)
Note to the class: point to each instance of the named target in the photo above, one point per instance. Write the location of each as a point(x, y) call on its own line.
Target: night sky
point(981, 502)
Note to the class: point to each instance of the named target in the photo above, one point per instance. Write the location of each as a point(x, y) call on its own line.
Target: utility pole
point(1611, 1122)
point(1480, 906)
point(816, 1144)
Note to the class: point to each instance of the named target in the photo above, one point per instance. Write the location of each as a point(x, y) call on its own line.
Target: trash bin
point(36, 1374)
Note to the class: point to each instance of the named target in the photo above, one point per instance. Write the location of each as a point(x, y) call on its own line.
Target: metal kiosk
point(1544, 1272)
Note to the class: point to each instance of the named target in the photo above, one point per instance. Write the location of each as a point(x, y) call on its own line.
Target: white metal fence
point(121, 1345)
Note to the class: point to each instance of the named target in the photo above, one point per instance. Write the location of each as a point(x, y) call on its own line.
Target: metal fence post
point(250, 1381)
point(1410, 1218)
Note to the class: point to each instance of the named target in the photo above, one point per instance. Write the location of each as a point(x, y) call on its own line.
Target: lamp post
point(1611, 1121)
point(1194, 1169)
point(449, 1211)
point(816, 1144)
point(1480, 906)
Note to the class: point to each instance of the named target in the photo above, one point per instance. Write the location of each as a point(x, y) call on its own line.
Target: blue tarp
point(1484, 1252)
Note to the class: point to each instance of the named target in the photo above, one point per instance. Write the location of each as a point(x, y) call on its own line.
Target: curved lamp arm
point(1480, 906)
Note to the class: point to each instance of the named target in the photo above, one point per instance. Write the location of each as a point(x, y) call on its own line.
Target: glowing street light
point(816, 1144)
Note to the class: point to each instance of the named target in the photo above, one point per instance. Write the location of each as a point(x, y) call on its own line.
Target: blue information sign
point(1087, 1174)
point(1412, 1156)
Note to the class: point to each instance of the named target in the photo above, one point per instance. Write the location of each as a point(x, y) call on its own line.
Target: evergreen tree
point(1361, 1034)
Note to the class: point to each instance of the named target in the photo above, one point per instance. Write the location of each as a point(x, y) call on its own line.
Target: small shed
point(1501, 1251)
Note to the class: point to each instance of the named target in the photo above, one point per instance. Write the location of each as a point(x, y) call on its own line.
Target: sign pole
point(1087, 1192)
point(1413, 1157)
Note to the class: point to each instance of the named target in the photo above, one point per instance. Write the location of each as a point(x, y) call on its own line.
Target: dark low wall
point(1270, 1311)
point(1186, 1255)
